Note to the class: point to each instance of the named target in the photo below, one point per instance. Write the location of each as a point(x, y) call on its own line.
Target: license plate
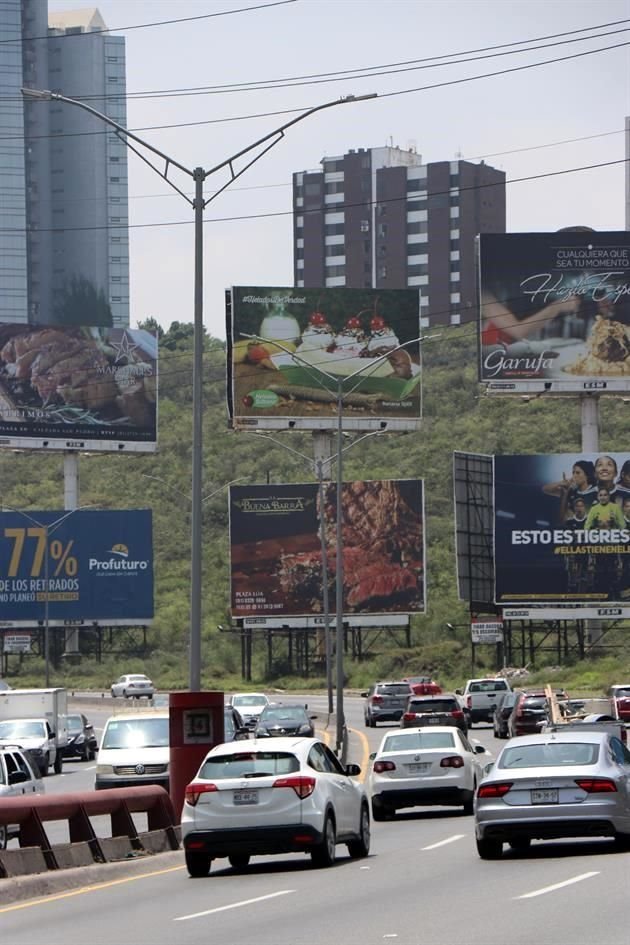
point(545, 796)
point(416, 768)
point(245, 797)
point(431, 720)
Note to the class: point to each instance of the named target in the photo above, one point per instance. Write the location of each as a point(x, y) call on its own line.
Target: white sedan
point(256, 798)
point(133, 685)
point(418, 767)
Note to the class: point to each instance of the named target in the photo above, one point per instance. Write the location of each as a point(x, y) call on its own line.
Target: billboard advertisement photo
point(93, 566)
point(74, 388)
point(276, 548)
point(289, 350)
point(562, 529)
point(555, 311)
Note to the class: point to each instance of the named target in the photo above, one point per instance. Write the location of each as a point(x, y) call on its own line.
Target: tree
point(82, 303)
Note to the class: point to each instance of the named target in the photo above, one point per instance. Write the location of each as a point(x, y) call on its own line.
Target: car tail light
point(498, 789)
point(377, 698)
point(597, 785)
point(194, 791)
point(457, 714)
point(303, 786)
point(452, 761)
point(409, 716)
point(469, 702)
point(380, 766)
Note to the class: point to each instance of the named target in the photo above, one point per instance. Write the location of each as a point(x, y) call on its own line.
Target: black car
point(502, 712)
point(284, 720)
point(234, 729)
point(82, 741)
point(444, 709)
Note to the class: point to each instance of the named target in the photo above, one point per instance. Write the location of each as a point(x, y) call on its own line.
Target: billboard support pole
point(341, 722)
point(589, 406)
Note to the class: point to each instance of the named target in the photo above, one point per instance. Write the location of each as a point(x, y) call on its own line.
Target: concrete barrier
point(36, 853)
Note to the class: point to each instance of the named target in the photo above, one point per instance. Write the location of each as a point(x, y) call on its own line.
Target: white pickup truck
point(479, 697)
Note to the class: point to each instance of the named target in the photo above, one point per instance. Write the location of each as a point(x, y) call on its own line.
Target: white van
point(134, 750)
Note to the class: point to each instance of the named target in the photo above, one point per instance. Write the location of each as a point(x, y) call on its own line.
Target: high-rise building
point(64, 245)
point(380, 218)
point(627, 173)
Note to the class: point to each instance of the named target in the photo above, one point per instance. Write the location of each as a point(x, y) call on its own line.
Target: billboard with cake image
point(290, 350)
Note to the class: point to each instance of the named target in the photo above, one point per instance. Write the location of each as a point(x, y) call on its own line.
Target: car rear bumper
point(546, 829)
point(421, 797)
point(254, 840)
point(386, 715)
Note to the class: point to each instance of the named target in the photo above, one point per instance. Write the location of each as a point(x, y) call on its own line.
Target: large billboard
point(276, 548)
point(555, 311)
point(71, 388)
point(362, 340)
point(562, 529)
point(98, 565)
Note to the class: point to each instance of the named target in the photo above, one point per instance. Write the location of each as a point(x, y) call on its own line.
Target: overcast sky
point(522, 122)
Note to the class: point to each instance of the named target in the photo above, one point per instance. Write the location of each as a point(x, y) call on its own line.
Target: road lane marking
point(567, 882)
point(233, 905)
point(86, 889)
point(365, 754)
point(442, 843)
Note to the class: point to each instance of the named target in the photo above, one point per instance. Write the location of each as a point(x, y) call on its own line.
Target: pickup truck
point(479, 698)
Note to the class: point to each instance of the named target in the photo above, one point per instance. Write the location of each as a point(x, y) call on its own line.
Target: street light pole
point(198, 175)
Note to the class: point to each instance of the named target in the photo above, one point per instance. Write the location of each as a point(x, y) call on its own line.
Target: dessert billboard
point(78, 388)
point(292, 353)
point(555, 311)
point(562, 529)
point(276, 534)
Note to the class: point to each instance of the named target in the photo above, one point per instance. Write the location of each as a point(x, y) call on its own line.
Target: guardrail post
point(32, 834)
point(123, 825)
point(81, 831)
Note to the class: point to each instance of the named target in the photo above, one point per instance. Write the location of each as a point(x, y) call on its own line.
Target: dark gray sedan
point(552, 786)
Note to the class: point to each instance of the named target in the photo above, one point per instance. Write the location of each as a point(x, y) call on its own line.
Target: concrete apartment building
point(381, 218)
point(64, 245)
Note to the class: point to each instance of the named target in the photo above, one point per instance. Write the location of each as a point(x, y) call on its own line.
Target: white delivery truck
point(35, 720)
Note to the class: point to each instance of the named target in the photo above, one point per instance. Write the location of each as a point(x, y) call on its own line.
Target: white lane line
point(442, 843)
point(567, 882)
point(234, 905)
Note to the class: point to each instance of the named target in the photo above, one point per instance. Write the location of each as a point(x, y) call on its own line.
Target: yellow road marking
point(86, 889)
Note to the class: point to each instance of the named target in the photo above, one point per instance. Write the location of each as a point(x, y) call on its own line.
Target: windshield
point(136, 733)
point(74, 723)
point(248, 765)
point(22, 729)
point(551, 754)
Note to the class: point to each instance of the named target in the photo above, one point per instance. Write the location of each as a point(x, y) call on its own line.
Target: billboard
point(362, 340)
point(72, 388)
point(555, 311)
point(562, 529)
point(276, 548)
point(98, 565)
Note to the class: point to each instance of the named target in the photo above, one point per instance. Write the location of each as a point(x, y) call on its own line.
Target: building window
point(312, 190)
point(382, 272)
point(333, 229)
point(336, 187)
point(299, 253)
point(455, 246)
point(438, 201)
point(416, 205)
point(365, 226)
point(419, 226)
point(416, 183)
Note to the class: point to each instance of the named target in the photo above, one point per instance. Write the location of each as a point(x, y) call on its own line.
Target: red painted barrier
point(30, 812)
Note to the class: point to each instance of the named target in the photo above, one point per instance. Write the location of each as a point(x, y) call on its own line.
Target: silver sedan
point(554, 785)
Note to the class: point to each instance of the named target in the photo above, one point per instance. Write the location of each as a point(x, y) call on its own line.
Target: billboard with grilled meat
point(555, 311)
point(75, 388)
point(278, 534)
point(562, 529)
point(71, 568)
point(291, 352)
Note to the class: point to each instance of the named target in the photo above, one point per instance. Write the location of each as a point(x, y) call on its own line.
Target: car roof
point(138, 714)
point(292, 743)
point(487, 679)
point(423, 729)
point(260, 695)
point(429, 698)
point(557, 737)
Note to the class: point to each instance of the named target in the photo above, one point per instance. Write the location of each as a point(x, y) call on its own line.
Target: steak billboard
point(78, 388)
point(562, 528)
point(276, 537)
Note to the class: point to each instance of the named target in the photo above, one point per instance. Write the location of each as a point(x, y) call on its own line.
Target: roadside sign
point(487, 631)
point(17, 642)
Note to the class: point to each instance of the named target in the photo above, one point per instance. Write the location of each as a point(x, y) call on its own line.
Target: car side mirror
point(53, 735)
point(241, 733)
point(353, 770)
point(488, 768)
point(312, 716)
point(458, 692)
point(363, 695)
point(480, 750)
point(373, 756)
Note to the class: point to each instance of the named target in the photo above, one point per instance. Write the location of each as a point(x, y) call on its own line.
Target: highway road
point(422, 883)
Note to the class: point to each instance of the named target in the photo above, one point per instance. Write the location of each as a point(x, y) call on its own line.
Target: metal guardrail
point(30, 812)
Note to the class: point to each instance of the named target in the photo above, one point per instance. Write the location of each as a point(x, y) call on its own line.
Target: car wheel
point(3, 838)
point(324, 852)
point(197, 864)
point(239, 861)
point(520, 844)
point(85, 753)
point(361, 846)
point(468, 803)
point(58, 766)
point(489, 849)
point(367, 721)
point(45, 766)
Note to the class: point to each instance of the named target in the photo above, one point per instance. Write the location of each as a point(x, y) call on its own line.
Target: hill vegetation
point(457, 416)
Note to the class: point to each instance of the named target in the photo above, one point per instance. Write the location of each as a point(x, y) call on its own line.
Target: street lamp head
point(43, 95)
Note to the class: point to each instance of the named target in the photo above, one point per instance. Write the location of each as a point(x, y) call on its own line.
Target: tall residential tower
point(64, 245)
point(380, 218)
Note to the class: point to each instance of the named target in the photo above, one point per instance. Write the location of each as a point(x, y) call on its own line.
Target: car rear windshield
point(414, 741)
point(248, 764)
point(295, 714)
point(492, 685)
point(433, 705)
point(136, 733)
point(395, 689)
point(534, 702)
point(248, 700)
point(551, 754)
point(622, 693)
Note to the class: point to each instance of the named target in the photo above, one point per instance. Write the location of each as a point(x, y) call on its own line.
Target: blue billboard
point(76, 567)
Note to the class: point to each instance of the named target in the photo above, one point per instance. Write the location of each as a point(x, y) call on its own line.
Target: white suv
point(18, 775)
point(292, 796)
point(480, 697)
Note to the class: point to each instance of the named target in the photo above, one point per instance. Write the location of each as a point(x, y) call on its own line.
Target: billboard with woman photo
point(562, 528)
